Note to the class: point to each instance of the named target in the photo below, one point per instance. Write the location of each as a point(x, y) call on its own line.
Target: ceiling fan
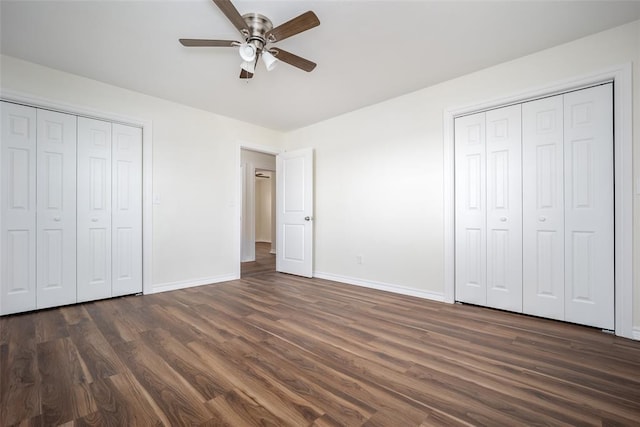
point(257, 33)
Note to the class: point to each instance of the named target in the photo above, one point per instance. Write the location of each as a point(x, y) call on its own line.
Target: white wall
point(379, 170)
point(195, 225)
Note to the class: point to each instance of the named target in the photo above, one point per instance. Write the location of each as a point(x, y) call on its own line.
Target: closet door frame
point(621, 76)
point(147, 164)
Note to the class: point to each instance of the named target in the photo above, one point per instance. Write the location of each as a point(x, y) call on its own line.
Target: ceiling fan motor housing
point(258, 25)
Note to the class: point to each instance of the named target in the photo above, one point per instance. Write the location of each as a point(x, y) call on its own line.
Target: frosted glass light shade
point(249, 67)
point(247, 52)
point(269, 60)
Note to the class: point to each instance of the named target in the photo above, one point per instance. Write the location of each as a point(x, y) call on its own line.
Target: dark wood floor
point(265, 261)
point(277, 350)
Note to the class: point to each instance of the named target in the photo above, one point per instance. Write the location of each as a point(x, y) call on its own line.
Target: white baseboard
point(635, 333)
point(172, 286)
point(380, 286)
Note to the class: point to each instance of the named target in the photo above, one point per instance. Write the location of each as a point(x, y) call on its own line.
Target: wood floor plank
point(63, 398)
point(556, 391)
point(265, 391)
point(118, 409)
point(327, 421)
point(385, 418)
point(235, 408)
point(230, 324)
point(20, 394)
point(186, 363)
point(156, 314)
point(74, 314)
point(143, 409)
point(345, 408)
point(50, 325)
point(181, 403)
point(98, 357)
point(4, 331)
point(281, 350)
point(358, 391)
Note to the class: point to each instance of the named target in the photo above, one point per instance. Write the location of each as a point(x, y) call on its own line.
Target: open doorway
point(258, 239)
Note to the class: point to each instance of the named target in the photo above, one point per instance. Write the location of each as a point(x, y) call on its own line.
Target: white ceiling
point(367, 51)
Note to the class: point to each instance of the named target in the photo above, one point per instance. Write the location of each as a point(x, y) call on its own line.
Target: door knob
point(503, 218)
point(56, 219)
point(542, 219)
point(307, 218)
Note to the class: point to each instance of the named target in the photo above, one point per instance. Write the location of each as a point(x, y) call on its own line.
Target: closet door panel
point(589, 238)
point(18, 208)
point(127, 210)
point(94, 209)
point(543, 207)
point(56, 183)
point(470, 190)
point(504, 208)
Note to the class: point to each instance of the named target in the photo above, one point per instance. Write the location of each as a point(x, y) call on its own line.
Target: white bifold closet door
point(94, 209)
point(18, 216)
point(126, 210)
point(568, 207)
point(489, 209)
point(39, 208)
point(56, 199)
point(589, 207)
point(109, 209)
point(504, 208)
point(543, 207)
point(471, 212)
point(534, 207)
point(71, 209)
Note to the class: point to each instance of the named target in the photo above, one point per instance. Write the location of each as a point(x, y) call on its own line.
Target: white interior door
point(18, 214)
point(504, 208)
point(94, 209)
point(126, 214)
point(589, 229)
point(471, 213)
point(294, 216)
point(56, 219)
point(543, 207)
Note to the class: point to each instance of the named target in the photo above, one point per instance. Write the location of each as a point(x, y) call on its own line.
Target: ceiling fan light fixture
point(269, 60)
point(257, 33)
point(247, 52)
point(249, 67)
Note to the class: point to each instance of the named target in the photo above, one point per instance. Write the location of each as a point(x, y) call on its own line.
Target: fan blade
point(232, 15)
point(208, 43)
point(244, 74)
point(291, 59)
point(304, 22)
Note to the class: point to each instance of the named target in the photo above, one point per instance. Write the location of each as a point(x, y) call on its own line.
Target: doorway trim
point(243, 145)
point(147, 162)
point(621, 76)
